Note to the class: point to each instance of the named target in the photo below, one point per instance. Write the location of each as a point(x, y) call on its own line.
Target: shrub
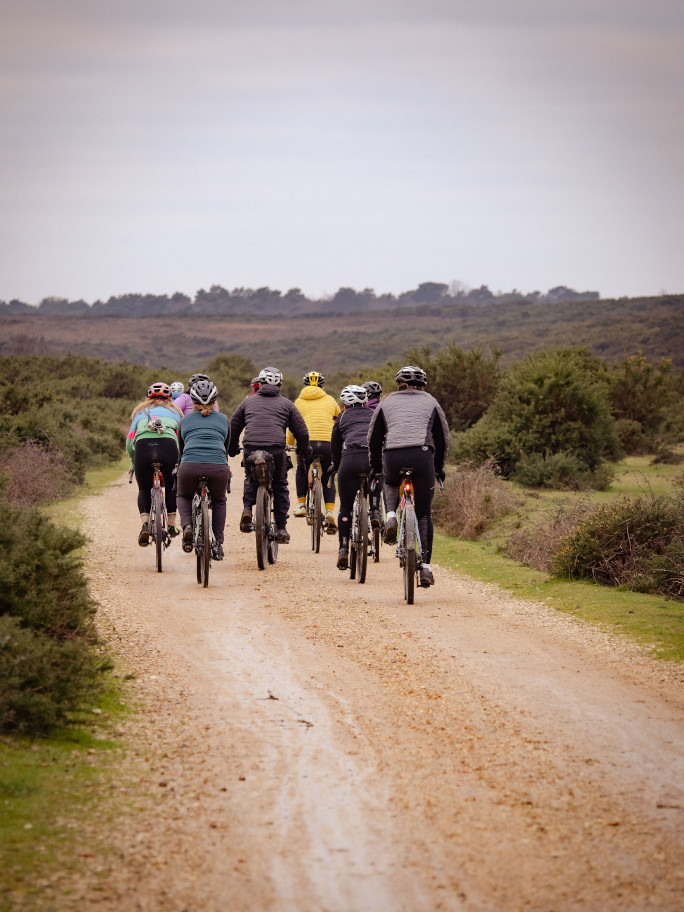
point(37, 476)
point(561, 471)
point(49, 664)
point(536, 543)
point(552, 402)
point(633, 542)
point(472, 499)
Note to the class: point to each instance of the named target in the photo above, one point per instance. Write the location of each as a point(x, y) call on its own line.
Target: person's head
point(354, 395)
point(204, 395)
point(195, 379)
point(255, 384)
point(373, 389)
point(176, 389)
point(412, 377)
point(159, 390)
point(271, 376)
point(313, 378)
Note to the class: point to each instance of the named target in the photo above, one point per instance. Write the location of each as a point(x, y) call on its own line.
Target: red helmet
point(159, 391)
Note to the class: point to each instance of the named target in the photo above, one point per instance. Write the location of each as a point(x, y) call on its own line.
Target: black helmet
point(196, 378)
point(412, 375)
point(374, 389)
point(313, 378)
point(204, 392)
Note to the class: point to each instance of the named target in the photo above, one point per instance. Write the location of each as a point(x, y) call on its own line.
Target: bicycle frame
point(159, 524)
point(409, 547)
point(203, 536)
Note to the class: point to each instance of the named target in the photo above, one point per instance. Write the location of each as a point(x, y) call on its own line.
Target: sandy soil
point(308, 743)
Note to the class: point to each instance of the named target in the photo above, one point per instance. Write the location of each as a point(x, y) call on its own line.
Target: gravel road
point(308, 744)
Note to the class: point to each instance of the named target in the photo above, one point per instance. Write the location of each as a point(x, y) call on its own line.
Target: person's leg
point(217, 482)
point(281, 491)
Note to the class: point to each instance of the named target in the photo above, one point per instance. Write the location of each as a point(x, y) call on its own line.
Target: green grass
point(66, 511)
point(651, 620)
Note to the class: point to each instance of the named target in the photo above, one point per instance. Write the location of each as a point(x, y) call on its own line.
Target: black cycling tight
point(422, 461)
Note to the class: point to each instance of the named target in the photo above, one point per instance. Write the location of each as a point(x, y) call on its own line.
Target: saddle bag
point(261, 465)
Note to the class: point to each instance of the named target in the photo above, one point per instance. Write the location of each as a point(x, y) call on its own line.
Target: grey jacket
point(408, 418)
point(265, 417)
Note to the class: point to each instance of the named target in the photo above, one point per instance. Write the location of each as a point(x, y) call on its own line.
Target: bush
point(37, 476)
point(552, 402)
point(49, 664)
point(472, 499)
point(535, 544)
point(560, 471)
point(633, 542)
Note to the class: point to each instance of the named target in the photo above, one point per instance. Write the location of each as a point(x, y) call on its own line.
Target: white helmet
point(354, 395)
point(176, 387)
point(271, 376)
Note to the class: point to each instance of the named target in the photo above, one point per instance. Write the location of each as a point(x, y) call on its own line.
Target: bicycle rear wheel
point(272, 540)
point(317, 523)
point(261, 523)
point(376, 545)
point(409, 553)
point(156, 526)
point(203, 548)
point(362, 539)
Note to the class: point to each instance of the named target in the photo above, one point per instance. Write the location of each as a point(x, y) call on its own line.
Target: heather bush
point(636, 542)
point(37, 475)
point(49, 660)
point(536, 543)
point(472, 499)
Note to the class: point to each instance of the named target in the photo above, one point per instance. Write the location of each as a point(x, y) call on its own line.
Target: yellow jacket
point(318, 410)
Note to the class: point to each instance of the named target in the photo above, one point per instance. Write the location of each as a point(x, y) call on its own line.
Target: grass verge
point(650, 620)
point(53, 789)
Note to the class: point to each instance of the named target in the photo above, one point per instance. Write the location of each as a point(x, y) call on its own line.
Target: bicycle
point(203, 541)
point(360, 542)
point(409, 547)
point(315, 514)
point(261, 465)
point(376, 531)
point(159, 520)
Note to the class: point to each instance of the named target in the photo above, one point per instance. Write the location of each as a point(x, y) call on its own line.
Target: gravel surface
point(306, 743)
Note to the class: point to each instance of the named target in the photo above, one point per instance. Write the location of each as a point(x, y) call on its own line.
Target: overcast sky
point(166, 145)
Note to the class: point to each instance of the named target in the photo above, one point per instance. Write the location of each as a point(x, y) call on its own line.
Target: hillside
point(341, 341)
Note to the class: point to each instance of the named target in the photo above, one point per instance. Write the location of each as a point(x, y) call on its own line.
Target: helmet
point(354, 395)
point(159, 391)
point(176, 388)
point(413, 375)
point(203, 392)
point(270, 375)
point(374, 389)
point(313, 378)
point(196, 377)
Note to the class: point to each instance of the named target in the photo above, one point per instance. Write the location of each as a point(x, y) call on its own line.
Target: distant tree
point(63, 306)
point(348, 299)
point(640, 393)
point(429, 292)
point(481, 295)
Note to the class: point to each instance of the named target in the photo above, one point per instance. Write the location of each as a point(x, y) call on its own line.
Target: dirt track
point(307, 743)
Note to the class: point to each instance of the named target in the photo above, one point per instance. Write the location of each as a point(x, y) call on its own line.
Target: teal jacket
point(204, 439)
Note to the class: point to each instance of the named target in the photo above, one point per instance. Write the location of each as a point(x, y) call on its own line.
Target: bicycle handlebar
point(130, 475)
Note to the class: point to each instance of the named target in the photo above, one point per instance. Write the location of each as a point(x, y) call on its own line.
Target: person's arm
point(181, 442)
point(336, 446)
point(297, 425)
point(377, 430)
point(236, 427)
point(440, 436)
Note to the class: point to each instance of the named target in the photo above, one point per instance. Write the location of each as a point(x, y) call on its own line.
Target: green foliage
point(633, 542)
point(561, 471)
point(640, 395)
point(49, 668)
point(549, 403)
point(463, 382)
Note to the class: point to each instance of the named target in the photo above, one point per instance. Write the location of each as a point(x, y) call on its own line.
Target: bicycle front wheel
point(362, 539)
point(157, 527)
point(203, 548)
point(317, 519)
point(261, 523)
point(409, 544)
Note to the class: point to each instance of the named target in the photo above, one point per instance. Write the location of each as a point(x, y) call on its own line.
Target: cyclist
point(374, 391)
point(349, 455)
point(255, 384)
point(176, 389)
point(319, 411)
point(264, 418)
point(153, 437)
point(185, 401)
point(204, 438)
point(409, 430)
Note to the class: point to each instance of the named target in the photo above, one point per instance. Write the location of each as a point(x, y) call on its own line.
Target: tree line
point(220, 301)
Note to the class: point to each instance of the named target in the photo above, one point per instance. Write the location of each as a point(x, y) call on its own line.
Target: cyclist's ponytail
point(204, 409)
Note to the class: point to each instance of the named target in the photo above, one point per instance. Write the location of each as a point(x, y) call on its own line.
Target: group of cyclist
point(370, 435)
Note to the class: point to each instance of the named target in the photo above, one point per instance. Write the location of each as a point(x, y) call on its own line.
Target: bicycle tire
point(376, 545)
point(362, 539)
point(272, 540)
point(409, 545)
point(317, 524)
point(157, 526)
point(261, 523)
point(204, 550)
